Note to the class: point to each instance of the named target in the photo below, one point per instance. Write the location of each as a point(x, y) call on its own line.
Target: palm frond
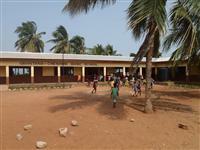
point(77, 6)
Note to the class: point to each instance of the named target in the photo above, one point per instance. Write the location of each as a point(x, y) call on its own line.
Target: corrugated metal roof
point(29, 55)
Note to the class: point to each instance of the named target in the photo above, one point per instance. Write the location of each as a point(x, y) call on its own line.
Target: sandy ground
point(101, 126)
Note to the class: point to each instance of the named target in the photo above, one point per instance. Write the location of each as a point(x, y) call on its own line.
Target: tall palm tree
point(146, 17)
point(61, 40)
point(98, 50)
point(29, 40)
point(78, 44)
point(109, 50)
point(185, 31)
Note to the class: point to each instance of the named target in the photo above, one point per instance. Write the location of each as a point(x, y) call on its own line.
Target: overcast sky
point(99, 26)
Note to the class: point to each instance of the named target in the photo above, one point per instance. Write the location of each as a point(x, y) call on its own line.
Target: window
point(67, 71)
point(19, 71)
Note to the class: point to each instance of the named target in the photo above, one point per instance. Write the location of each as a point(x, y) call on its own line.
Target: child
point(135, 88)
point(94, 90)
point(139, 87)
point(114, 95)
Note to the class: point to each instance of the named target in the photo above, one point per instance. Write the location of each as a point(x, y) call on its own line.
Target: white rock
point(19, 137)
point(63, 132)
point(28, 127)
point(132, 120)
point(74, 123)
point(41, 144)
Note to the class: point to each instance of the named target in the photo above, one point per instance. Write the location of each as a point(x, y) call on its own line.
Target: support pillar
point(7, 74)
point(124, 71)
point(104, 73)
point(156, 73)
point(140, 71)
point(32, 74)
point(59, 74)
point(187, 73)
point(83, 73)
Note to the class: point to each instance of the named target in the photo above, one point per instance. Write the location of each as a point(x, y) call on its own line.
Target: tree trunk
point(148, 106)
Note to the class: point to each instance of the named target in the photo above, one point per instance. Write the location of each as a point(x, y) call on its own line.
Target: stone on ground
point(182, 126)
point(41, 144)
point(132, 120)
point(63, 132)
point(74, 123)
point(19, 137)
point(28, 127)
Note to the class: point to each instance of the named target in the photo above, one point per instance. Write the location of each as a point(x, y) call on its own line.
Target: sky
point(98, 26)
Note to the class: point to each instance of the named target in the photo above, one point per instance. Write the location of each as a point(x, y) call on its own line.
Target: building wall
point(77, 71)
point(2, 71)
point(110, 71)
point(194, 70)
point(47, 71)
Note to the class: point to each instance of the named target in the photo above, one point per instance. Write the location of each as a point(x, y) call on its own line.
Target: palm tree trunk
point(148, 106)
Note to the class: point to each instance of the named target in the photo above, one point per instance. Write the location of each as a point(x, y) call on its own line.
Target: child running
point(114, 95)
point(94, 90)
point(135, 88)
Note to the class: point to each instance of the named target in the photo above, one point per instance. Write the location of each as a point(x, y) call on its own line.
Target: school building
point(24, 67)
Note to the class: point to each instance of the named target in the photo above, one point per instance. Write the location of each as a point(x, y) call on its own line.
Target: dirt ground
point(101, 126)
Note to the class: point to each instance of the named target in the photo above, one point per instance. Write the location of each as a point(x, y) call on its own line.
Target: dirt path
point(101, 126)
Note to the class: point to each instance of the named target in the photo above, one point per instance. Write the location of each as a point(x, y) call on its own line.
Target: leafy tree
point(146, 17)
point(98, 50)
point(109, 50)
point(185, 31)
point(101, 50)
point(61, 41)
point(78, 44)
point(132, 54)
point(29, 40)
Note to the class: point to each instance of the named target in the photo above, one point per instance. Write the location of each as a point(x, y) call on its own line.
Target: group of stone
point(42, 144)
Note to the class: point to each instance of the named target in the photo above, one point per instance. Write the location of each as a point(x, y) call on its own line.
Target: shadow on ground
point(179, 94)
point(103, 104)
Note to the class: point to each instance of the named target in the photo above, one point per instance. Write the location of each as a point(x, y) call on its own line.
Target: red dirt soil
point(101, 126)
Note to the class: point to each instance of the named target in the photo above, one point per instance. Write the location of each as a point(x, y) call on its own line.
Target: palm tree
point(62, 44)
point(29, 40)
point(109, 50)
point(98, 50)
point(185, 31)
point(78, 44)
point(146, 17)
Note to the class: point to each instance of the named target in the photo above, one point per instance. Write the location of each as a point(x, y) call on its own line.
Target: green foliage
point(147, 18)
point(185, 31)
point(29, 40)
point(100, 50)
point(62, 44)
point(78, 44)
point(78, 6)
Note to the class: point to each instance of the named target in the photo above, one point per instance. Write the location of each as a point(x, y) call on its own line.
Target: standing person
point(135, 88)
point(139, 87)
point(114, 94)
point(112, 83)
point(152, 83)
point(94, 90)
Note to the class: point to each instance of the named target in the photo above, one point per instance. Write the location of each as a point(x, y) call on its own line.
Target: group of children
point(136, 86)
point(115, 84)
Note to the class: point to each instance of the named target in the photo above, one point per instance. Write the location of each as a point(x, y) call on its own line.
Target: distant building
point(18, 67)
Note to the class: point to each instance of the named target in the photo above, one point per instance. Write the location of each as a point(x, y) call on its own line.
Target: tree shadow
point(103, 103)
point(160, 104)
point(80, 100)
point(179, 94)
